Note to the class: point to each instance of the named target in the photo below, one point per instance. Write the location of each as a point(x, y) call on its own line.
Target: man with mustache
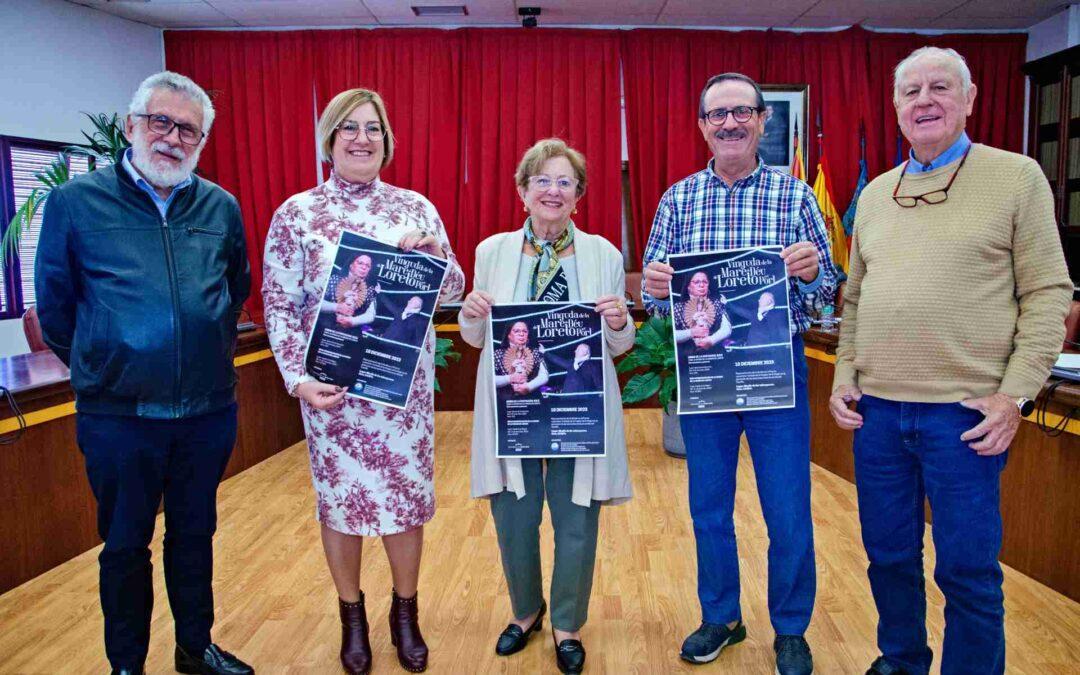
point(735, 202)
point(953, 315)
point(141, 272)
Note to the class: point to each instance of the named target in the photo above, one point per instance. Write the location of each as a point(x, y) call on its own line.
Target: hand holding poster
point(732, 340)
point(548, 366)
point(374, 318)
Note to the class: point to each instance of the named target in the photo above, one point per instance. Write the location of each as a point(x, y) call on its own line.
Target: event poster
point(373, 319)
point(547, 362)
point(732, 341)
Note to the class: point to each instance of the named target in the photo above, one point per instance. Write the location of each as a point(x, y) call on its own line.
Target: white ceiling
point(921, 14)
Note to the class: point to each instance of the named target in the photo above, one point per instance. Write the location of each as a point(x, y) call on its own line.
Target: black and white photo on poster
point(730, 320)
point(374, 318)
point(547, 361)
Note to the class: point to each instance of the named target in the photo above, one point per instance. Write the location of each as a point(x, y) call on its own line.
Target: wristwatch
point(1026, 406)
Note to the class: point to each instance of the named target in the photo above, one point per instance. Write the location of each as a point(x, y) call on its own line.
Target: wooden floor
point(276, 605)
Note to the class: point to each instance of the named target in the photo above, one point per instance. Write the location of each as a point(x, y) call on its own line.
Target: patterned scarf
point(547, 267)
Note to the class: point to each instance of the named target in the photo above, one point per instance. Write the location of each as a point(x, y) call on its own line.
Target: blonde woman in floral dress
point(372, 465)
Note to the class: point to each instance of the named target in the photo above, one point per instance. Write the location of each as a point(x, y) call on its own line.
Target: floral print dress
point(372, 465)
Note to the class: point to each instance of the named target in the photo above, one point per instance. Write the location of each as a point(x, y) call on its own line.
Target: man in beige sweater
point(954, 312)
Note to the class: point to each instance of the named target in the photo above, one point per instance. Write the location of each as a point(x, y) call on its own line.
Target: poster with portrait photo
point(730, 323)
point(786, 108)
point(547, 365)
point(374, 318)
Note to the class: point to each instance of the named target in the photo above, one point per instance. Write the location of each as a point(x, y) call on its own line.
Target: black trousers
point(132, 463)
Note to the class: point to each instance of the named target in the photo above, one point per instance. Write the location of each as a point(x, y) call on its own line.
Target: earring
point(575, 209)
point(524, 209)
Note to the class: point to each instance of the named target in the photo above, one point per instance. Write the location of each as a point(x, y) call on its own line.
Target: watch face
point(1026, 405)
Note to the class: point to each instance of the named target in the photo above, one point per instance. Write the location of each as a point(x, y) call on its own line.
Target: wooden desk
point(1040, 487)
point(47, 511)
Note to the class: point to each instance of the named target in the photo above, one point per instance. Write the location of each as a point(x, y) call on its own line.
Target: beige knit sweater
point(960, 299)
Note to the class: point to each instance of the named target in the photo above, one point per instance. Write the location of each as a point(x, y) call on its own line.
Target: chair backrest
point(32, 330)
point(1072, 327)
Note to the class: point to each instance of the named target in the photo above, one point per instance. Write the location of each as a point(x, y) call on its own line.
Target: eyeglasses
point(741, 113)
point(163, 125)
point(350, 130)
point(543, 182)
point(932, 197)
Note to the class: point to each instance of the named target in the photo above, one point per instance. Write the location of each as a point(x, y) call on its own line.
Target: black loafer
point(214, 661)
point(127, 671)
point(513, 639)
point(569, 656)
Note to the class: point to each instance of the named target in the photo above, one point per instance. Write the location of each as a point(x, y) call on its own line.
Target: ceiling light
point(440, 10)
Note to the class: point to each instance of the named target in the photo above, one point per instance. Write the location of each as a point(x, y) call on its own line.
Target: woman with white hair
point(547, 258)
point(372, 465)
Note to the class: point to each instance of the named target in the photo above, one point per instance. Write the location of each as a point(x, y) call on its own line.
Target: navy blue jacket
point(143, 309)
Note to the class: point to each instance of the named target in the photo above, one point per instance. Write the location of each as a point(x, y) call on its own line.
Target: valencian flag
point(833, 223)
point(849, 215)
point(798, 166)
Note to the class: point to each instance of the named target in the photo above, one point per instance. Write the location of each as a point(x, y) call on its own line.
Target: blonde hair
point(534, 158)
point(338, 109)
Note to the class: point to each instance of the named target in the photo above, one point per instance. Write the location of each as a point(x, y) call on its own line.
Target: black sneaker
point(882, 667)
point(706, 643)
point(792, 655)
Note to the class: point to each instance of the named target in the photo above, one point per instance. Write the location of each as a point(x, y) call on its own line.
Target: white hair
point(177, 83)
point(950, 56)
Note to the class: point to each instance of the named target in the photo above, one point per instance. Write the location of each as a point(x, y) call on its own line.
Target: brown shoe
point(405, 634)
point(355, 647)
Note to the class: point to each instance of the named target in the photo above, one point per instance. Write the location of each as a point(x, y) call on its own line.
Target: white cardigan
point(600, 272)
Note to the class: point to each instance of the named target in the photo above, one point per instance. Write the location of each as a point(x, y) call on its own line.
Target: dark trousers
point(132, 463)
point(517, 524)
point(906, 452)
point(779, 443)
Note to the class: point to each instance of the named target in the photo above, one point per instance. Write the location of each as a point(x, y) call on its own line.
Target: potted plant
point(444, 354)
point(654, 355)
point(103, 143)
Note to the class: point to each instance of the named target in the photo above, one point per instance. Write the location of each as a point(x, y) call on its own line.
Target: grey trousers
point(517, 523)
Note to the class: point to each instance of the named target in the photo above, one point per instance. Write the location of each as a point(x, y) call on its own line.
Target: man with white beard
point(140, 274)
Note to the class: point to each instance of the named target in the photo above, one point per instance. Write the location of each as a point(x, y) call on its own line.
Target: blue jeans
point(779, 443)
point(903, 453)
point(132, 463)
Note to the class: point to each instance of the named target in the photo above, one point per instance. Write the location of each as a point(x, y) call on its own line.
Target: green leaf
point(106, 140)
point(667, 391)
point(640, 387)
point(629, 362)
point(444, 353)
point(24, 216)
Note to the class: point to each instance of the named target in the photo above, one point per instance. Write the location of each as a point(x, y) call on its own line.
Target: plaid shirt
point(700, 213)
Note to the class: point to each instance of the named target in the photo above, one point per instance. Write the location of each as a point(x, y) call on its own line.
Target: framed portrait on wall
point(787, 106)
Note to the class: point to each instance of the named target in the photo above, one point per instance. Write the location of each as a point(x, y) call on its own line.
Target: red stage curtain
point(522, 86)
point(834, 65)
point(663, 73)
point(418, 75)
point(850, 78)
point(465, 104)
point(262, 144)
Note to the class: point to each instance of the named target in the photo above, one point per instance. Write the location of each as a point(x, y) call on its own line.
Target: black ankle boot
point(405, 634)
point(355, 647)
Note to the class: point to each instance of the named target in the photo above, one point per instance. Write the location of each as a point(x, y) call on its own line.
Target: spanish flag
point(833, 223)
point(798, 165)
